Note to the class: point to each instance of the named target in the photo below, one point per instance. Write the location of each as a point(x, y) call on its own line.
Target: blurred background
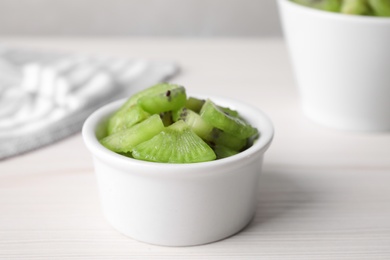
point(54, 73)
point(187, 18)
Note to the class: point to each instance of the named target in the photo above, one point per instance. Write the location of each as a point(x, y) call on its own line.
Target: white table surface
point(324, 194)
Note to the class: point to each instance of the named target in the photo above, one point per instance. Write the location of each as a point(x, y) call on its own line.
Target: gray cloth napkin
point(45, 97)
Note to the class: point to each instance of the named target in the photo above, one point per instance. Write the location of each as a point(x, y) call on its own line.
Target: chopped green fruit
point(354, 7)
point(151, 91)
point(207, 132)
point(380, 7)
point(175, 144)
point(126, 118)
point(171, 99)
point(157, 125)
point(125, 140)
point(359, 7)
point(197, 124)
point(220, 137)
point(229, 111)
point(231, 125)
point(195, 104)
point(325, 5)
point(223, 151)
point(166, 118)
point(128, 154)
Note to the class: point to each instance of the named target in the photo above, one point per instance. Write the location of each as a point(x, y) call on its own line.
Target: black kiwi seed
point(168, 94)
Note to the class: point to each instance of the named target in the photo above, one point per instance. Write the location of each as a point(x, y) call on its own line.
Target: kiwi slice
point(123, 141)
point(175, 144)
point(153, 90)
point(326, 5)
point(206, 131)
point(235, 126)
point(160, 124)
point(195, 104)
point(223, 151)
point(220, 137)
point(126, 118)
point(380, 7)
point(358, 7)
point(197, 124)
point(172, 99)
point(229, 111)
point(128, 154)
point(166, 118)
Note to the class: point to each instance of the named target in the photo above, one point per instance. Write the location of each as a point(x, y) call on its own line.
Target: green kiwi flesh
point(195, 104)
point(166, 118)
point(223, 151)
point(175, 144)
point(125, 140)
point(229, 111)
point(229, 124)
point(220, 137)
point(160, 124)
point(126, 118)
point(197, 124)
point(171, 99)
point(207, 132)
point(153, 90)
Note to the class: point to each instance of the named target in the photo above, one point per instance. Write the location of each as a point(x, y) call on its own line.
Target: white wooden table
point(324, 194)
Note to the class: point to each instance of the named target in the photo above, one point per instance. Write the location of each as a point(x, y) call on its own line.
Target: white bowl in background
point(179, 204)
point(342, 66)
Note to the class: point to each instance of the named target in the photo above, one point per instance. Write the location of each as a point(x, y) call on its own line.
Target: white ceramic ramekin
point(342, 66)
point(179, 204)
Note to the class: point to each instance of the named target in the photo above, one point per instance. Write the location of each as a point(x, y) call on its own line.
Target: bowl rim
point(260, 146)
point(334, 15)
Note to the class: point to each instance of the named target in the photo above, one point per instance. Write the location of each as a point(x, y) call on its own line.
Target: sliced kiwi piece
point(229, 124)
point(326, 5)
point(380, 7)
point(172, 99)
point(175, 144)
point(229, 111)
point(195, 104)
point(358, 7)
point(125, 140)
point(206, 131)
point(223, 151)
point(220, 137)
point(151, 91)
point(128, 154)
point(126, 118)
point(166, 118)
point(197, 124)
